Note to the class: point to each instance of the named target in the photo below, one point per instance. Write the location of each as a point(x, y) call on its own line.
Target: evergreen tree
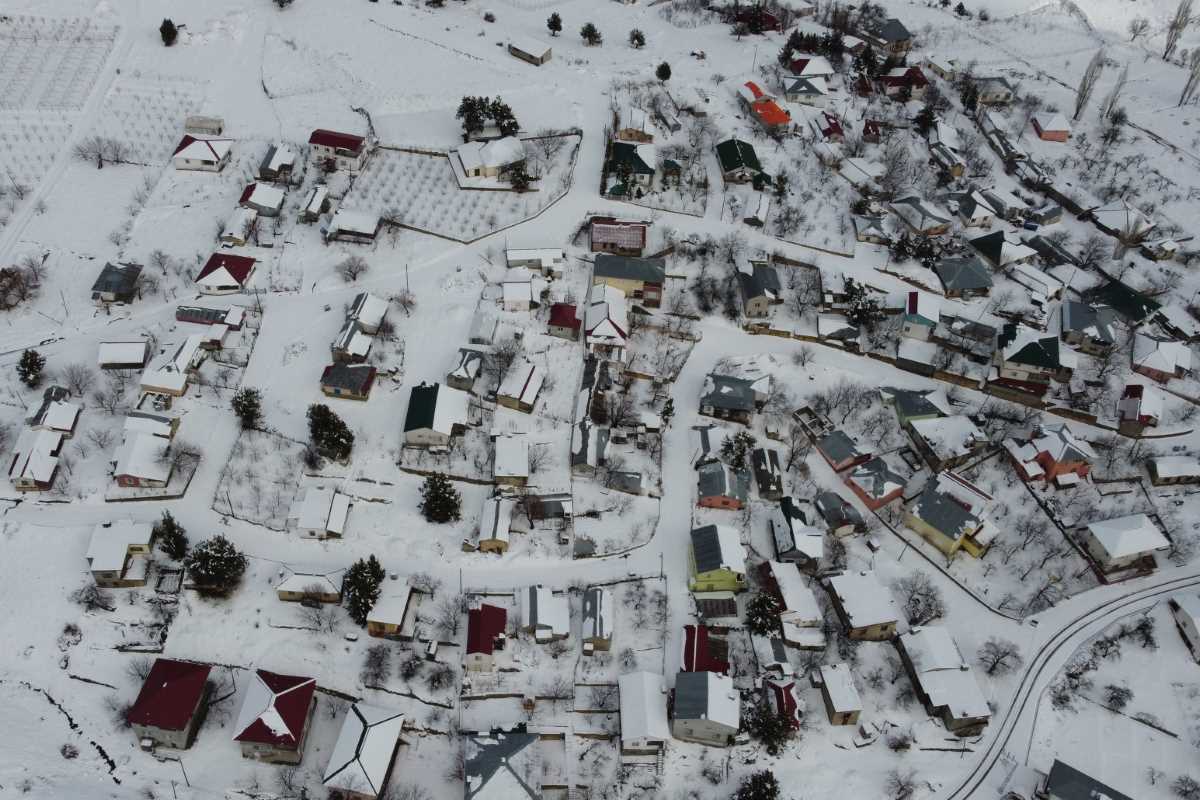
point(518, 178)
point(554, 23)
point(360, 588)
point(736, 449)
point(168, 32)
point(215, 565)
point(970, 97)
point(866, 62)
point(781, 184)
point(663, 73)
point(472, 111)
point(961, 10)
point(440, 501)
point(637, 39)
point(668, 411)
point(247, 404)
point(591, 34)
point(329, 433)
point(29, 368)
point(171, 537)
point(901, 247)
point(503, 117)
point(758, 786)
point(762, 614)
point(925, 119)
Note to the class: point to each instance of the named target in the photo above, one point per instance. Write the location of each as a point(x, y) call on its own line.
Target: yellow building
point(716, 560)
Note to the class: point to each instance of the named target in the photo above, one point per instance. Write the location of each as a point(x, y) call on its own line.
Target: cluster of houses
point(349, 376)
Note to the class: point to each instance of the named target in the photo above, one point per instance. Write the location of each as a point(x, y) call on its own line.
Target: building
point(767, 473)
point(1124, 543)
point(972, 208)
point(922, 216)
point(720, 486)
point(240, 228)
point(843, 705)
point(510, 462)
point(1051, 126)
point(631, 166)
point(606, 322)
point(762, 210)
point(1173, 470)
point(783, 698)
point(1089, 328)
point(739, 163)
point(705, 709)
point(316, 204)
point(33, 465)
point(117, 283)
point(338, 151)
point(1160, 359)
point(564, 321)
point(875, 483)
point(548, 261)
point(796, 537)
point(864, 606)
point(348, 381)
point(273, 721)
point(639, 278)
point(840, 451)
point(507, 765)
point(608, 235)
point(1123, 221)
point(811, 91)
point(485, 635)
point(436, 414)
point(362, 757)
point(703, 650)
point(1000, 251)
point(922, 311)
point(277, 164)
point(904, 82)
point(890, 36)
point(800, 619)
point(348, 225)
point(943, 680)
point(1051, 453)
point(597, 619)
point(1027, 360)
point(118, 553)
point(307, 585)
point(716, 560)
point(521, 386)
point(993, 91)
point(1185, 610)
point(123, 355)
point(1064, 782)
point(169, 373)
point(491, 158)
point(842, 518)
point(762, 106)
point(225, 273)
point(352, 344)
point(171, 704)
point(262, 198)
point(55, 413)
point(952, 514)
point(760, 287)
point(947, 442)
point(320, 514)
point(203, 154)
point(530, 51)
point(643, 706)
point(465, 372)
point(964, 277)
point(387, 617)
point(729, 398)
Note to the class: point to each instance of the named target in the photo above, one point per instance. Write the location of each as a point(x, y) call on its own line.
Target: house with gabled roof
point(716, 560)
point(639, 278)
point(800, 619)
point(33, 465)
point(1001, 251)
point(705, 708)
point(964, 276)
point(943, 680)
point(762, 106)
point(55, 413)
point(843, 705)
point(564, 322)
point(922, 311)
point(485, 635)
point(364, 752)
point(334, 150)
point(116, 283)
point(118, 553)
point(619, 237)
point(495, 525)
point(739, 163)
point(169, 373)
point(273, 721)
point(225, 273)
point(729, 398)
point(544, 615)
point(890, 35)
point(262, 198)
point(202, 153)
point(521, 386)
point(1140, 407)
point(1051, 453)
point(348, 381)
point(1160, 359)
point(351, 225)
point(387, 617)
point(972, 208)
point(491, 158)
point(865, 607)
point(1064, 782)
point(842, 518)
point(1028, 360)
point(947, 442)
point(1124, 543)
point(277, 164)
point(840, 451)
point(793, 529)
point(1124, 221)
point(994, 91)
point(760, 288)
point(510, 461)
point(914, 404)
point(953, 514)
point(875, 483)
point(783, 698)
point(466, 370)
point(172, 703)
point(899, 80)
point(921, 216)
point(606, 322)
point(319, 513)
point(436, 414)
point(636, 162)
point(240, 227)
point(141, 461)
point(1090, 328)
point(1051, 126)
point(596, 619)
point(643, 707)
point(809, 91)
point(721, 486)
point(302, 584)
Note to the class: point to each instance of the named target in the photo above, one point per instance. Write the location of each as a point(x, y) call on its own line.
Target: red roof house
point(171, 704)
point(338, 150)
point(609, 235)
point(337, 141)
point(901, 78)
point(564, 321)
point(485, 632)
point(699, 654)
point(224, 273)
point(762, 106)
point(830, 127)
point(274, 717)
point(782, 699)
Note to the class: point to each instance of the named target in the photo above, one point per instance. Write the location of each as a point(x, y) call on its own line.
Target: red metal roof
point(562, 315)
point(785, 701)
point(697, 654)
point(169, 695)
point(286, 700)
point(247, 193)
point(622, 234)
point(484, 624)
point(770, 113)
point(239, 267)
point(340, 141)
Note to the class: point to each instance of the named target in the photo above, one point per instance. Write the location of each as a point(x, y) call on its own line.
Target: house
point(273, 721)
point(240, 228)
point(55, 413)
point(1064, 782)
point(369, 312)
point(347, 225)
point(362, 757)
point(808, 65)
point(597, 619)
point(159, 425)
point(277, 164)
point(171, 704)
point(338, 151)
point(944, 68)
point(606, 322)
point(911, 405)
point(1050, 253)
point(117, 283)
point(864, 606)
point(1140, 407)
point(838, 328)
point(200, 125)
point(266, 200)
point(142, 461)
point(33, 465)
point(225, 273)
point(530, 51)
point(875, 483)
point(316, 204)
point(783, 698)
point(589, 447)
point(922, 312)
point(511, 462)
point(1028, 361)
point(721, 486)
point(643, 707)
point(947, 442)
point(948, 159)
point(716, 560)
point(1134, 306)
point(993, 91)
point(123, 354)
point(564, 322)
point(491, 158)
point(1122, 221)
point(843, 705)
point(767, 473)
point(348, 381)
point(1089, 328)
point(760, 287)
point(1173, 470)
point(796, 537)
point(842, 518)
point(1051, 126)
point(202, 153)
point(809, 91)
point(870, 229)
point(1051, 453)
point(521, 385)
point(351, 345)
point(739, 163)
point(631, 166)
point(320, 513)
point(1185, 609)
point(1124, 543)
point(1000, 251)
point(170, 371)
point(544, 614)
point(1160, 359)
point(639, 278)
point(953, 514)
point(548, 261)
point(705, 709)
point(762, 107)
point(964, 277)
point(800, 617)
point(890, 35)
point(921, 216)
point(943, 680)
point(909, 82)
point(485, 635)
point(436, 414)
point(729, 398)
point(388, 616)
point(608, 235)
point(302, 585)
point(470, 364)
point(118, 553)
point(1047, 214)
point(627, 481)
point(828, 127)
point(840, 451)
point(495, 523)
point(633, 124)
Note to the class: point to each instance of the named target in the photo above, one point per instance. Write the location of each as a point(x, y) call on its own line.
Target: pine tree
point(440, 501)
point(29, 368)
point(668, 411)
point(735, 449)
point(360, 589)
point(247, 404)
point(502, 115)
point(637, 39)
point(168, 32)
point(554, 23)
point(472, 111)
point(663, 73)
point(215, 565)
point(591, 34)
point(866, 62)
point(329, 433)
point(771, 728)
point(762, 614)
point(518, 178)
point(758, 786)
point(171, 537)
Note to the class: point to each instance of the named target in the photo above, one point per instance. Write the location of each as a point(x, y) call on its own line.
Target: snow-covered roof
point(792, 528)
point(709, 696)
point(368, 310)
point(239, 224)
point(350, 221)
point(512, 456)
point(352, 340)
point(264, 195)
point(56, 415)
point(949, 437)
point(1051, 121)
point(131, 352)
point(280, 156)
point(208, 149)
point(523, 382)
point(1124, 537)
point(316, 199)
point(364, 749)
point(301, 579)
point(391, 606)
point(542, 609)
point(544, 257)
point(864, 599)
point(643, 697)
point(1163, 355)
point(153, 424)
point(494, 154)
point(838, 681)
point(275, 710)
point(945, 678)
point(606, 319)
point(956, 507)
point(437, 407)
point(111, 541)
point(806, 65)
point(596, 617)
point(1123, 218)
point(141, 456)
point(718, 547)
point(323, 510)
point(1176, 466)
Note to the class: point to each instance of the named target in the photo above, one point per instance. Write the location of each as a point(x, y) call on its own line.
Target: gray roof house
point(840, 450)
point(759, 282)
point(1067, 783)
point(727, 397)
point(965, 276)
point(629, 268)
point(705, 708)
point(116, 283)
point(1090, 328)
point(499, 765)
point(722, 486)
point(841, 517)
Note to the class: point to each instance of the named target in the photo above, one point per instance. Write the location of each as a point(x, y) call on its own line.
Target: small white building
point(495, 525)
point(321, 513)
point(118, 553)
point(511, 461)
point(800, 616)
point(170, 372)
point(362, 756)
point(1185, 608)
point(489, 159)
point(310, 583)
point(368, 311)
point(643, 703)
point(34, 460)
point(544, 614)
point(1120, 543)
point(238, 229)
point(546, 260)
point(520, 388)
point(864, 605)
point(123, 354)
point(202, 153)
point(348, 225)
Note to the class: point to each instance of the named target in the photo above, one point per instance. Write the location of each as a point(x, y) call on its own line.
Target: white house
point(510, 465)
point(707, 709)
point(225, 273)
point(436, 414)
point(362, 756)
point(489, 159)
point(943, 680)
point(520, 388)
point(606, 322)
point(800, 617)
point(170, 371)
point(1120, 543)
point(545, 614)
point(34, 460)
point(118, 553)
point(239, 227)
point(643, 703)
point(368, 311)
point(205, 154)
point(320, 514)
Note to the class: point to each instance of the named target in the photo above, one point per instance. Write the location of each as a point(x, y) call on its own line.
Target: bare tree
point(376, 665)
point(539, 456)
point(450, 613)
point(352, 267)
point(92, 597)
point(920, 597)
point(999, 656)
point(1176, 27)
point(100, 437)
point(1087, 83)
point(78, 377)
point(1113, 98)
point(1138, 27)
point(900, 784)
point(1193, 79)
point(504, 353)
point(406, 300)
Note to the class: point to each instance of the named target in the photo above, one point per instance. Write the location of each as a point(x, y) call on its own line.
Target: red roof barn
point(169, 707)
point(699, 653)
point(485, 627)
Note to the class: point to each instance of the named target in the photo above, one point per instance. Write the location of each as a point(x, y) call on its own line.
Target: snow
point(838, 681)
point(865, 601)
point(110, 544)
point(643, 708)
point(1127, 536)
point(363, 752)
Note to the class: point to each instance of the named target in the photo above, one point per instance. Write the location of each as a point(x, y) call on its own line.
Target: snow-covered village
point(600, 399)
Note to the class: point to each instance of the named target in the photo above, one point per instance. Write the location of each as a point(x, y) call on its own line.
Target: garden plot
point(260, 479)
point(420, 191)
point(145, 114)
point(29, 141)
point(687, 194)
point(50, 64)
point(639, 618)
